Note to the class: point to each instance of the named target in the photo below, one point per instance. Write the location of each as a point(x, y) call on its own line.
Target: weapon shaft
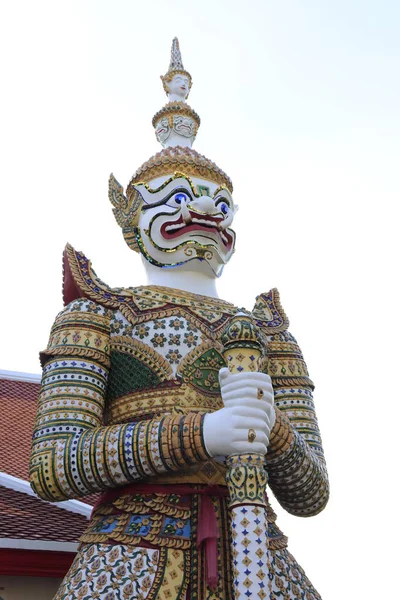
point(247, 480)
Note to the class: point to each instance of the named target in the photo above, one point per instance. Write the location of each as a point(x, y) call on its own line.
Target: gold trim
point(196, 353)
point(160, 313)
point(292, 382)
point(208, 473)
point(194, 189)
point(176, 175)
point(179, 108)
point(144, 403)
point(144, 353)
point(178, 158)
point(69, 351)
point(281, 437)
point(181, 298)
point(175, 295)
point(263, 313)
point(185, 300)
point(88, 291)
point(251, 436)
point(278, 543)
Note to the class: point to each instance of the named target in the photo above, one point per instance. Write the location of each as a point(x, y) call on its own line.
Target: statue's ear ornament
point(126, 210)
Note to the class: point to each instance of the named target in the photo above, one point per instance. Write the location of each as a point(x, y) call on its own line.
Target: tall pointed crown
point(176, 126)
point(175, 66)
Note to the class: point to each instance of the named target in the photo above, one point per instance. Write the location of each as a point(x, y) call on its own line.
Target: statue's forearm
point(295, 458)
point(297, 474)
point(73, 454)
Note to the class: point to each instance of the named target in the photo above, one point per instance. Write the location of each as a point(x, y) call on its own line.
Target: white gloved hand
point(226, 431)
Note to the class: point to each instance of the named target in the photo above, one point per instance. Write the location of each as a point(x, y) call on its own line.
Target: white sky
point(299, 104)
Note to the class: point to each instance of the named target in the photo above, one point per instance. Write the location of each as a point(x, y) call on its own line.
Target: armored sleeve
point(295, 458)
point(73, 452)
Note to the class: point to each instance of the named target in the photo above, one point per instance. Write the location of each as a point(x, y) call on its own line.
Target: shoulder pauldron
point(81, 281)
point(269, 313)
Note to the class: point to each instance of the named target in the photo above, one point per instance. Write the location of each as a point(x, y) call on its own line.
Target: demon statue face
point(186, 219)
point(176, 220)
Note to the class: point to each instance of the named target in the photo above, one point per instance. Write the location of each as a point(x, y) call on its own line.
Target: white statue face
point(179, 86)
point(162, 130)
point(184, 220)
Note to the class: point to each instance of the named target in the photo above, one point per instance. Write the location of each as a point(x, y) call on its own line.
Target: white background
point(299, 104)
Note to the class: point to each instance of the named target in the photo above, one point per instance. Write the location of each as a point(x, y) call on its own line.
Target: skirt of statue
point(145, 546)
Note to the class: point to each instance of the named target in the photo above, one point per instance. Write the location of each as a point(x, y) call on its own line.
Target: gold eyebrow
point(176, 175)
point(222, 188)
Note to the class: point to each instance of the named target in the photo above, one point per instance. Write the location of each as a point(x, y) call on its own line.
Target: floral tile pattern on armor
point(172, 337)
point(113, 572)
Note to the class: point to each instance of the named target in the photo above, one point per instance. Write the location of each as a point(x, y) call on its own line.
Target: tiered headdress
point(176, 126)
point(175, 66)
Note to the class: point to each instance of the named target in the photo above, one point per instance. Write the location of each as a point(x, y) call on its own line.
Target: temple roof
point(26, 517)
point(23, 516)
point(18, 411)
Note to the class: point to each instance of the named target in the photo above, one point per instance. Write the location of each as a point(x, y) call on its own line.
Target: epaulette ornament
point(81, 281)
point(269, 314)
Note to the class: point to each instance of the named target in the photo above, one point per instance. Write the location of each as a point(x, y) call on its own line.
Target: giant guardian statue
point(184, 411)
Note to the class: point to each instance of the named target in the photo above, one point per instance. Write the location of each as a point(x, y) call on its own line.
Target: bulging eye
point(222, 206)
point(179, 198)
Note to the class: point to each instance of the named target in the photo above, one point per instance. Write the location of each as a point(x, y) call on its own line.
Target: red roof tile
point(18, 412)
point(27, 517)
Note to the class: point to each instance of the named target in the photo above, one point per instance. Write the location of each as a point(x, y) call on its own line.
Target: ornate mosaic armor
point(128, 376)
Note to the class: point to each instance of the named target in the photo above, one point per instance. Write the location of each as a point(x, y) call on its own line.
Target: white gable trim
point(17, 376)
point(19, 485)
point(38, 545)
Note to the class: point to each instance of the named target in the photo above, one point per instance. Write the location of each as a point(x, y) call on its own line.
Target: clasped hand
point(245, 422)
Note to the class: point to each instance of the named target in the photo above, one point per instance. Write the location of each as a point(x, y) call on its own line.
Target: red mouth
point(174, 229)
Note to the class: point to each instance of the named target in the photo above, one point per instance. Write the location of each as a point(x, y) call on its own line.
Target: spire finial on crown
point(176, 57)
point(177, 81)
